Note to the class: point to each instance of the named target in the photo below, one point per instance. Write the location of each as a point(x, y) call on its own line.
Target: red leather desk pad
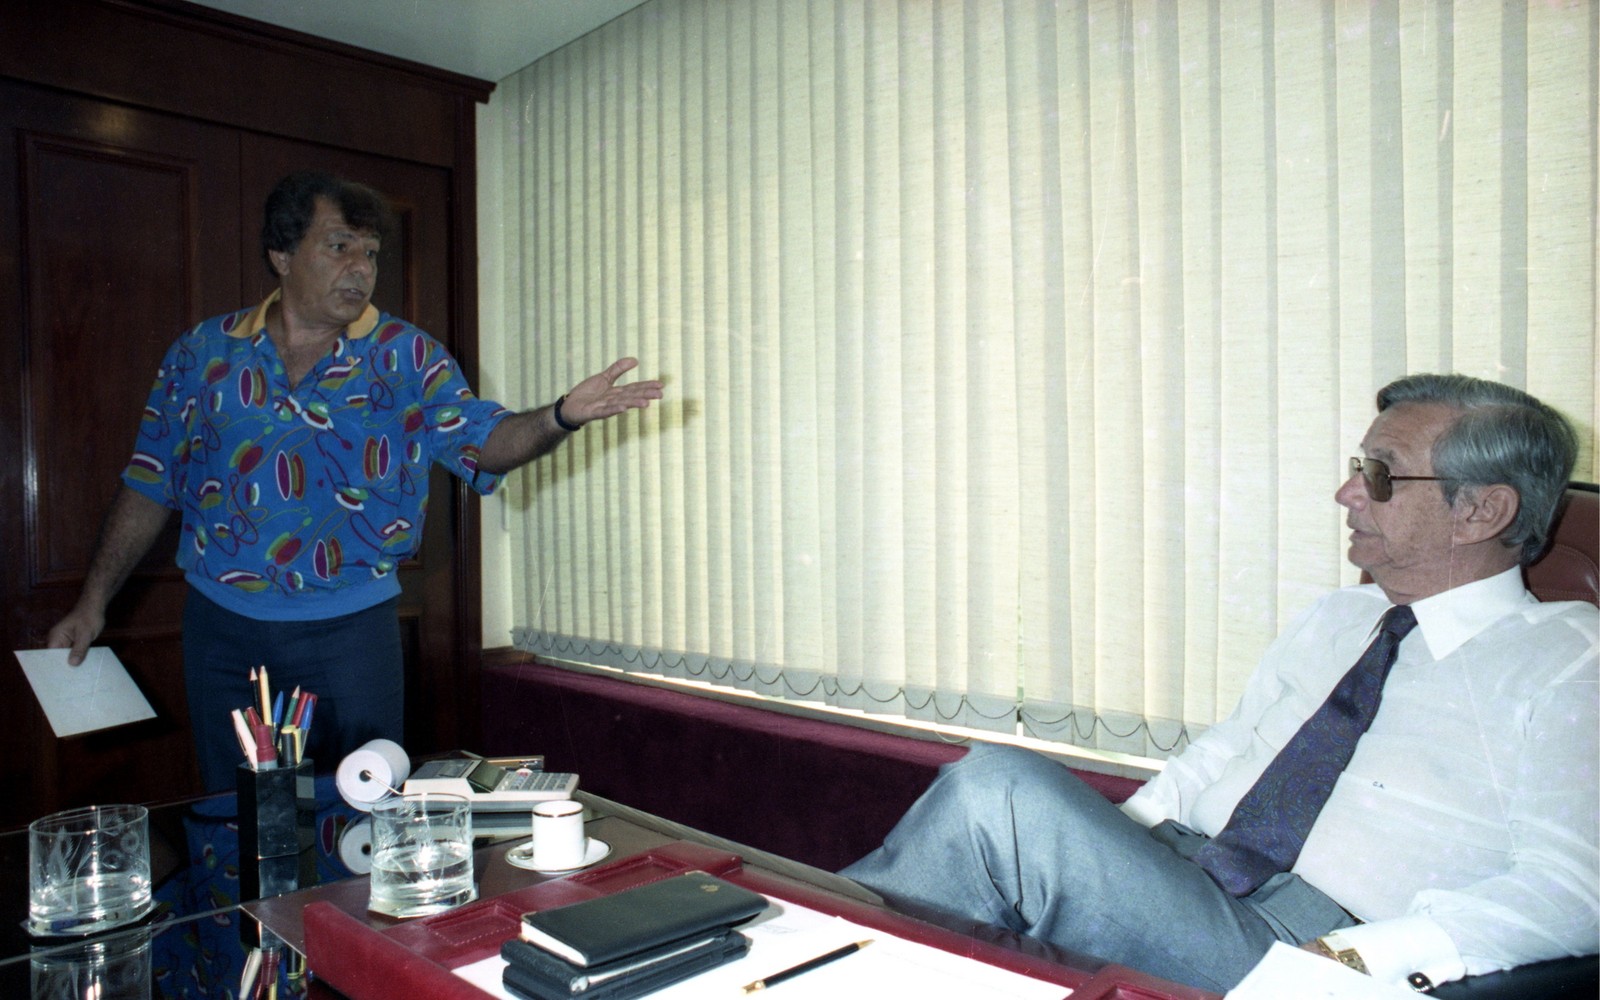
point(369, 957)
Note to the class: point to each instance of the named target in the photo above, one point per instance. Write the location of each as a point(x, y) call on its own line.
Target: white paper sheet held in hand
point(96, 694)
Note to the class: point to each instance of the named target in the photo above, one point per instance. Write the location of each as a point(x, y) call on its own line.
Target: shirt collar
point(1450, 619)
point(364, 324)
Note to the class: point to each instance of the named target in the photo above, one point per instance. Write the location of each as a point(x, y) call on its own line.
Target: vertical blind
point(1014, 350)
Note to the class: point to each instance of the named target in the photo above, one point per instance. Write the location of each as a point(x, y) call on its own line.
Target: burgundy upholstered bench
point(820, 792)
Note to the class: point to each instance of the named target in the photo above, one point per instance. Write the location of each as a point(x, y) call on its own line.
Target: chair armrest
point(1556, 979)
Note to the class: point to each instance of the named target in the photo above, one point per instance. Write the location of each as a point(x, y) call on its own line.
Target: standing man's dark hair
point(293, 202)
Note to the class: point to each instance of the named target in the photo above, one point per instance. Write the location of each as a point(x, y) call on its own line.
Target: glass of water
point(421, 854)
point(111, 965)
point(88, 869)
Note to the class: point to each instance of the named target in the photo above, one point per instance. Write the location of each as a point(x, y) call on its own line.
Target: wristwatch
point(1338, 949)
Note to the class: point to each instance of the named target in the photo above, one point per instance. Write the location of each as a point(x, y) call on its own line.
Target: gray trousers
point(1011, 838)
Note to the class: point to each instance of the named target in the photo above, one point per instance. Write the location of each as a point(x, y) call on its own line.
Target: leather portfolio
point(535, 974)
point(635, 920)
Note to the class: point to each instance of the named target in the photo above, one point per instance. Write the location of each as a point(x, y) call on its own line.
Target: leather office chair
point(1569, 570)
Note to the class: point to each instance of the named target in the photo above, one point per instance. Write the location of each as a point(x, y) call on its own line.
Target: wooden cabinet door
point(120, 228)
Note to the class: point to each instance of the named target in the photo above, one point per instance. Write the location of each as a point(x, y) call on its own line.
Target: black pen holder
point(277, 813)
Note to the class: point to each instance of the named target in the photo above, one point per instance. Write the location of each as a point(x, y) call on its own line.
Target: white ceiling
point(487, 39)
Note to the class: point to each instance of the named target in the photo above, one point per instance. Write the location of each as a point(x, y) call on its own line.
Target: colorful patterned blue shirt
point(300, 503)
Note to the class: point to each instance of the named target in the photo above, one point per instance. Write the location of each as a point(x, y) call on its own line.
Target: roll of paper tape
point(371, 771)
point(355, 846)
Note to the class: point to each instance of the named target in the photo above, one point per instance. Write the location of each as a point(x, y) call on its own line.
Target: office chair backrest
point(1569, 570)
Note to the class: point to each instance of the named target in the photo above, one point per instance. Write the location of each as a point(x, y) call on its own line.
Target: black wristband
point(555, 411)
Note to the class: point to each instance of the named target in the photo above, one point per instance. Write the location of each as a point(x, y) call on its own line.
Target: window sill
point(1098, 761)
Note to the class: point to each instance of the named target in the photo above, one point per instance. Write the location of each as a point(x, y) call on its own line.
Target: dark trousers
point(353, 664)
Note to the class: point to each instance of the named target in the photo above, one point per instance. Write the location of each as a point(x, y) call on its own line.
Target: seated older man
point(1427, 813)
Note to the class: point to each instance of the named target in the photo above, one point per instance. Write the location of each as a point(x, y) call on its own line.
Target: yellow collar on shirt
point(364, 324)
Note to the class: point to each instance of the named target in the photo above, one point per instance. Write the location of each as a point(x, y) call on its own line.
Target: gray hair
point(1504, 436)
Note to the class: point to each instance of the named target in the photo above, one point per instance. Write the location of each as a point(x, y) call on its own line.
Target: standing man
point(295, 438)
point(1429, 812)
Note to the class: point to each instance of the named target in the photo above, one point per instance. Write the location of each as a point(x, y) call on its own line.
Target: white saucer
point(521, 856)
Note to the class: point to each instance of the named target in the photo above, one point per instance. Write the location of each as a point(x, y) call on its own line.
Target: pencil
point(252, 969)
point(807, 966)
point(266, 692)
point(247, 741)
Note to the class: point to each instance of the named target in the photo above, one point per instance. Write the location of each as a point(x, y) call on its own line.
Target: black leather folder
point(536, 974)
point(634, 921)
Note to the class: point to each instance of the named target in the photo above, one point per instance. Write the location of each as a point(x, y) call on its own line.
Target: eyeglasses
point(1380, 484)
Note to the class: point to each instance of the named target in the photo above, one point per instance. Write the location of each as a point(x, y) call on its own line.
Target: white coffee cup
point(558, 840)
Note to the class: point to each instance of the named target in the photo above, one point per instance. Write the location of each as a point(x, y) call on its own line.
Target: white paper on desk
point(96, 694)
point(788, 934)
point(1287, 971)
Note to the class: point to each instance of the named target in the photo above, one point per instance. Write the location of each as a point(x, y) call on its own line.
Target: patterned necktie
point(1271, 822)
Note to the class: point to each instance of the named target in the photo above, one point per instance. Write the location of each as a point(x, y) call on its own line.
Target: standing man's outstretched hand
point(598, 396)
point(523, 437)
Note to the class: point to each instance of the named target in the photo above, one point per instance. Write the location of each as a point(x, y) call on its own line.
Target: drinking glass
point(113, 965)
point(88, 869)
point(421, 854)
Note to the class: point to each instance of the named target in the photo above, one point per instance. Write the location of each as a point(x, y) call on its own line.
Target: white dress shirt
point(1463, 832)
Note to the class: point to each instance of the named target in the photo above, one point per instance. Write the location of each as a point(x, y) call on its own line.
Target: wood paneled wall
point(137, 143)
